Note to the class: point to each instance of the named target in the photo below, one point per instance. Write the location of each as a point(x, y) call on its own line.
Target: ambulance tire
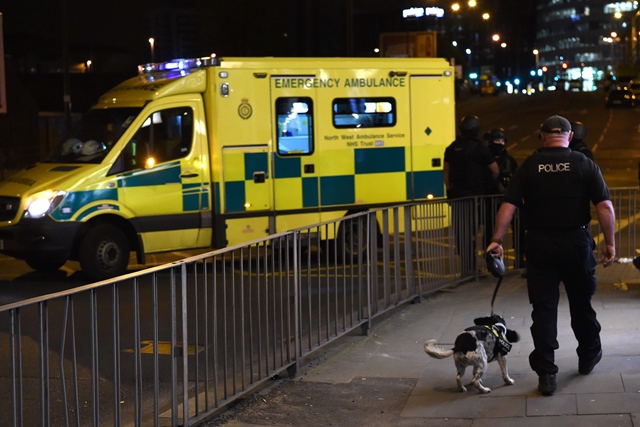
point(104, 252)
point(40, 263)
point(351, 241)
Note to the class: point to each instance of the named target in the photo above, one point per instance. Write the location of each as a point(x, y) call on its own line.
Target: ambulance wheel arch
point(40, 263)
point(103, 249)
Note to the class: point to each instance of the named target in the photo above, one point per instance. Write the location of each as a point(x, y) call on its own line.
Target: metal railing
point(174, 344)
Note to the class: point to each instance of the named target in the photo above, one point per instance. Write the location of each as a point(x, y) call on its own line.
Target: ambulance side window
point(294, 121)
point(364, 112)
point(164, 136)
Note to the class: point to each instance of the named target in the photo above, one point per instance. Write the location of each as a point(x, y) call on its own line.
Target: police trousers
point(566, 256)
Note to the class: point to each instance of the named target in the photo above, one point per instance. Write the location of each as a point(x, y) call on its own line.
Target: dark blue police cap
point(555, 124)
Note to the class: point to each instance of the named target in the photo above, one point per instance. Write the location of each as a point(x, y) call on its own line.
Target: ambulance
point(211, 152)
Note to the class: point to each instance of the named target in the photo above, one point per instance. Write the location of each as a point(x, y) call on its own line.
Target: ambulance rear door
point(432, 129)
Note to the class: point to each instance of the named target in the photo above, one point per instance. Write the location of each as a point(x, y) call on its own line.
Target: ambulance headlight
point(42, 203)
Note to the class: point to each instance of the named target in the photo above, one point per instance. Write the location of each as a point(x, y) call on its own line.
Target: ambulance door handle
point(189, 175)
point(259, 177)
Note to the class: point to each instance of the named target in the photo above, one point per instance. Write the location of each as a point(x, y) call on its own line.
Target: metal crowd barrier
point(175, 344)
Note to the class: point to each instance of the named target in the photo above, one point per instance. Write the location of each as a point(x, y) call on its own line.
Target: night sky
point(234, 28)
point(237, 28)
point(113, 24)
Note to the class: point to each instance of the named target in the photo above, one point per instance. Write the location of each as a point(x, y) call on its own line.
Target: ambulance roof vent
point(179, 65)
point(397, 73)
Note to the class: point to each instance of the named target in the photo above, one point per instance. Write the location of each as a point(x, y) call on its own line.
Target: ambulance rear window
point(364, 112)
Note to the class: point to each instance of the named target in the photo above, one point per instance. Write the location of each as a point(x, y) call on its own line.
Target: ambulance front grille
point(8, 207)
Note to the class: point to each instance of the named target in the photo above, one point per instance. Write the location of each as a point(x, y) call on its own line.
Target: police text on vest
point(558, 167)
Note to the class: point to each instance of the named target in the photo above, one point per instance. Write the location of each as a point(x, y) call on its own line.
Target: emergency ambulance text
point(315, 83)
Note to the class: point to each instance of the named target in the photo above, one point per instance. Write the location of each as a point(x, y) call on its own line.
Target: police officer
point(507, 166)
point(469, 167)
point(577, 142)
point(555, 186)
point(469, 170)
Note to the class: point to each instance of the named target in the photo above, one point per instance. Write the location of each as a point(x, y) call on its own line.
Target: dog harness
point(498, 330)
point(503, 345)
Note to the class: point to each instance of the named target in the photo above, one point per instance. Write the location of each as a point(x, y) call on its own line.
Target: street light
point(151, 43)
point(612, 40)
point(537, 54)
point(475, 31)
point(496, 39)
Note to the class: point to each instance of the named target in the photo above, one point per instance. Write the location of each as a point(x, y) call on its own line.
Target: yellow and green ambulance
point(210, 152)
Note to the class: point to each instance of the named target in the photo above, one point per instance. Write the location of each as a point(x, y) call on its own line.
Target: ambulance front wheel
point(104, 252)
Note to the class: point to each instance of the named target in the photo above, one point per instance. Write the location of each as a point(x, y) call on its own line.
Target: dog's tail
point(437, 351)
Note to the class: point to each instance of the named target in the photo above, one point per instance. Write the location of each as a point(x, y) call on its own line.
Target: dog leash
point(495, 292)
point(496, 268)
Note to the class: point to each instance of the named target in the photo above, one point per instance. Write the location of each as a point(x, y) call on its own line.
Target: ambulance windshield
point(93, 136)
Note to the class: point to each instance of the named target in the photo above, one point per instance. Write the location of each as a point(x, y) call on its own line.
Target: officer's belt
point(568, 228)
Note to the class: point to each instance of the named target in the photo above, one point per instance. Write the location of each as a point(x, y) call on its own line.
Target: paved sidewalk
point(386, 379)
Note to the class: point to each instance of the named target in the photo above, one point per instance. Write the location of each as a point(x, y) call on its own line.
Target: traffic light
point(544, 69)
point(565, 65)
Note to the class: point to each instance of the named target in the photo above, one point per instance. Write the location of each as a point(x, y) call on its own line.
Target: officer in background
point(507, 166)
point(469, 167)
point(554, 187)
point(577, 142)
point(469, 170)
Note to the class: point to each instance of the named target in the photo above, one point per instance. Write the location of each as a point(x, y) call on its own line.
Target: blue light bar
point(179, 64)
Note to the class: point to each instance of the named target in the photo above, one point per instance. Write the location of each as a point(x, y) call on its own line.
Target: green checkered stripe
point(334, 190)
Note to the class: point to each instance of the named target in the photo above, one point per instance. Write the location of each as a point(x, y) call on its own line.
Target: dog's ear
point(512, 336)
point(488, 320)
point(483, 321)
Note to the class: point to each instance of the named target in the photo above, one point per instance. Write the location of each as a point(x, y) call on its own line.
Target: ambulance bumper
point(42, 237)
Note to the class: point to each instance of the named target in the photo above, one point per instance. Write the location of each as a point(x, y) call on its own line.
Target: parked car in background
point(488, 85)
point(621, 96)
point(634, 85)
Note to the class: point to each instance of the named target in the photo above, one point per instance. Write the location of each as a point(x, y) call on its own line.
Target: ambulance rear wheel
point(104, 252)
point(352, 238)
point(40, 263)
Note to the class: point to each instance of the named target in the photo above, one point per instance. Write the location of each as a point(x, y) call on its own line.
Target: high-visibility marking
point(164, 348)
